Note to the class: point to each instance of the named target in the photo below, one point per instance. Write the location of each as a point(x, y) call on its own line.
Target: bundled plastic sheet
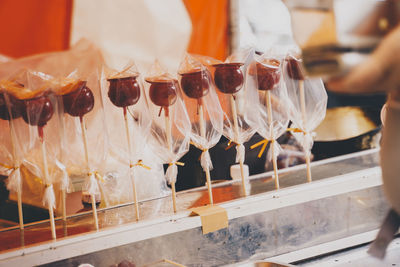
point(170, 128)
point(269, 110)
point(204, 110)
point(308, 100)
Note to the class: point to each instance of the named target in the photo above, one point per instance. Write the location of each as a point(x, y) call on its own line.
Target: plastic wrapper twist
point(308, 101)
point(269, 109)
point(204, 110)
point(229, 79)
point(170, 126)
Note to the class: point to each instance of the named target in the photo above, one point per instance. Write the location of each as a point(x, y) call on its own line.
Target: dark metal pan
point(347, 130)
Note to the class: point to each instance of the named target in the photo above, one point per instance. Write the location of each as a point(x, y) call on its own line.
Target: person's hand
point(380, 73)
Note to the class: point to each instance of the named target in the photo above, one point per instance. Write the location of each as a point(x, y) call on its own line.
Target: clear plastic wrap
point(308, 101)
point(269, 109)
point(229, 79)
point(128, 125)
point(170, 126)
point(16, 145)
point(36, 145)
point(84, 62)
point(204, 110)
point(11, 156)
point(84, 130)
point(79, 64)
point(62, 181)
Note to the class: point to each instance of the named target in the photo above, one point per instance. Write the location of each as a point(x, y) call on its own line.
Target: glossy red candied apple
point(196, 84)
point(79, 101)
point(124, 92)
point(228, 77)
point(163, 92)
point(268, 74)
point(37, 111)
point(15, 107)
point(294, 68)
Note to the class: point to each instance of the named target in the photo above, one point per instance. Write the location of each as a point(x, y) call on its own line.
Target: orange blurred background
point(36, 26)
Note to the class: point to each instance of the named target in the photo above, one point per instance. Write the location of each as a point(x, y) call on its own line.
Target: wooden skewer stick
point(203, 134)
point(64, 210)
point(64, 204)
point(236, 136)
point(271, 134)
point(20, 214)
point(22, 237)
point(168, 131)
point(92, 196)
point(304, 120)
point(63, 191)
point(128, 138)
point(16, 165)
point(48, 183)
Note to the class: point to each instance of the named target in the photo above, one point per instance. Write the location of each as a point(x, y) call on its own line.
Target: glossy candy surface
point(268, 75)
point(15, 106)
point(294, 68)
point(228, 77)
point(196, 84)
point(163, 92)
point(80, 101)
point(124, 92)
point(37, 111)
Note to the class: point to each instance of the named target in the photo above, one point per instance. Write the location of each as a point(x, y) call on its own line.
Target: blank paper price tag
point(212, 217)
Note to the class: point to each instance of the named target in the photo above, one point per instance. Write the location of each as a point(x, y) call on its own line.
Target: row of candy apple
point(78, 100)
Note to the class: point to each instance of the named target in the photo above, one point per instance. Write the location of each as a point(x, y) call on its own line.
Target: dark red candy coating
point(267, 75)
point(163, 92)
point(228, 77)
point(124, 92)
point(294, 68)
point(15, 107)
point(37, 111)
point(79, 102)
point(196, 84)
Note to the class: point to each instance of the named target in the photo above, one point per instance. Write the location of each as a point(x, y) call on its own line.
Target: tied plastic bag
point(37, 146)
point(83, 61)
point(204, 109)
point(10, 156)
point(32, 90)
point(84, 129)
point(229, 79)
point(308, 101)
point(10, 153)
point(126, 114)
point(170, 126)
point(268, 95)
point(128, 124)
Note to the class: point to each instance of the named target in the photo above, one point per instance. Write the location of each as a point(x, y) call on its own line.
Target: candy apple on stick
point(37, 111)
point(124, 91)
point(171, 133)
point(308, 103)
point(204, 111)
point(229, 79)
point(78, 100)
point(268, 111)
point(295, 72)
point(11, 108)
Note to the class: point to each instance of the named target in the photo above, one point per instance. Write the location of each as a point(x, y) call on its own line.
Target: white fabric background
point(142, 30)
